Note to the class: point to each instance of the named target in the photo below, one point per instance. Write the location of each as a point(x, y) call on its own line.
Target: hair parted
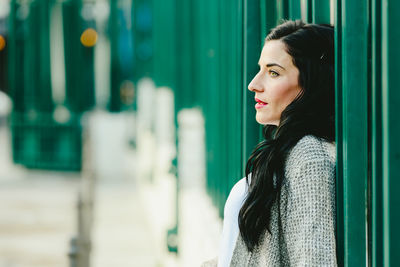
point(311, 47)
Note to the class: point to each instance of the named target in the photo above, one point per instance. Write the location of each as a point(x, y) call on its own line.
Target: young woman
point(283, 212)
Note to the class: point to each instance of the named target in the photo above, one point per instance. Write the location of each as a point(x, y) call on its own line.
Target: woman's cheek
point(277, 92)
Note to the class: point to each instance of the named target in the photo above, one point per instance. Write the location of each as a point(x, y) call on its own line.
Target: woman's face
point(276, 84)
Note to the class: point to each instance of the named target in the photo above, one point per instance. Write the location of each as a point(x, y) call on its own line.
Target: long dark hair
point(311, 47)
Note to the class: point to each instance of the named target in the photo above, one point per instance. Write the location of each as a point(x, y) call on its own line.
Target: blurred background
point(125, 123)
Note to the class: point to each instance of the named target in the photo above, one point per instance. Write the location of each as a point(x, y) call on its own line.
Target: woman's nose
point(255, 85)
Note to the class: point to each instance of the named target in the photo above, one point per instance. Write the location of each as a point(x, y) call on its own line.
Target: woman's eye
point(273, 73)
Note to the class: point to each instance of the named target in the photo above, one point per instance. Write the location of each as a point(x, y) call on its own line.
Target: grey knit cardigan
point(304, 235)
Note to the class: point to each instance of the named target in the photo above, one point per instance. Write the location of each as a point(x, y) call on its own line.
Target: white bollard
point(164, 130)
point(191, 149)
point(199, 224)
point(146, 147)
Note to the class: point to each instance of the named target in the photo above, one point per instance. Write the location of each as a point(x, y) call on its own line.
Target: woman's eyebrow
point(271, 65)
point(274, 64)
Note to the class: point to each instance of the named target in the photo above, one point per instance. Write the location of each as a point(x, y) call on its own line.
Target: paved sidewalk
point(37, 219)
point(132, 213)
point(37, 213)
point(121, 234)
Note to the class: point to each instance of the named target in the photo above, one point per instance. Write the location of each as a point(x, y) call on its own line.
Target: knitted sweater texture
point(303, 233)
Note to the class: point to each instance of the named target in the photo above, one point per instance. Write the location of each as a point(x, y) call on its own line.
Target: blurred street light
point(2, 42)
point(89, 37)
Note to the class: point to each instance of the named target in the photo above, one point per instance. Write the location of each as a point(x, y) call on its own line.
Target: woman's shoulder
point(312, 148)
point(310, 168)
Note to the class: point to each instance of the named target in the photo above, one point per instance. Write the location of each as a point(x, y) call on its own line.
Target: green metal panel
point(263, 19)
point(15, 66)
point(391, 131)
point(282, 9)
point(38, 55)
point(352, 121)
point(273, 12)
point(79, 60)
point(321, 11)
point(45, 144)
point(164, 43)
point(307, 10)
point(225, 82)
point(121, 43)
point(252, 45)
point(212, 71)
point(376, 206)
point(37, 140)
point(142, 19)
point(294, 9)
point(115, 80)
point(235, 149)
point(163, 72)
point(184, 97)
point(340, 216)
point(29, 26)
point(201, 50)
point(197, 52)
point(216, 72)
point(269, 16)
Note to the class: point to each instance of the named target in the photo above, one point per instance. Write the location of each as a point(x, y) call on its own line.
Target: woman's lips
point(260, 104)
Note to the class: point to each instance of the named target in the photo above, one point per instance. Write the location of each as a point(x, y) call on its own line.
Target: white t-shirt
point(230, 230)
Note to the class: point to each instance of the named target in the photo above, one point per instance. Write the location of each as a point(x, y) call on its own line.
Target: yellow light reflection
point(89, 37)
point(2, 42)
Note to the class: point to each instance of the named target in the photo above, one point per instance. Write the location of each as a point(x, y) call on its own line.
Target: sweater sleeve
point(309, 223)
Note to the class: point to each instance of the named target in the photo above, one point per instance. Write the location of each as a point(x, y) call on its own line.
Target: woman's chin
point(265, 121)
point(262, 122)
point(261, 119)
